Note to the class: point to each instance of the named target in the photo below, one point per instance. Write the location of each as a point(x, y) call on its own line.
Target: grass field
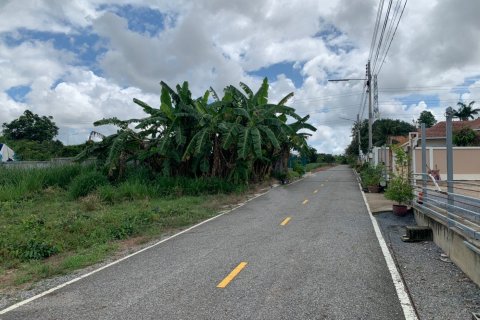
point(48, 228)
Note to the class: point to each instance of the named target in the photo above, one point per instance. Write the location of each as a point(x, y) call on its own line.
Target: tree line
point(32, 138)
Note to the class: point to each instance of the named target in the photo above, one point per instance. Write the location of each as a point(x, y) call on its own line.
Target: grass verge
point(312, 166)
point(48, 233)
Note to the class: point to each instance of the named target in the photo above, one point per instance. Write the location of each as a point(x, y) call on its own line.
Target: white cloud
point(216, 43)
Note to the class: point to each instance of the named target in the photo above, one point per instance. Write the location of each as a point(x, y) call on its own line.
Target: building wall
point(466, 162)
point(436, 142)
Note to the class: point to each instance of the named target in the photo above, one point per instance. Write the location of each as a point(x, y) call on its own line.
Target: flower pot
point(399, 210)
point(373, 189)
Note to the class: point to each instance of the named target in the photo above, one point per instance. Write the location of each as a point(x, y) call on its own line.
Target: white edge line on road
point(21, 303)
point(402, 294)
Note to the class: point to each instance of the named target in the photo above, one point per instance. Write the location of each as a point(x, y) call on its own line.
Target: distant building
point(436, 135)
point(6, 154)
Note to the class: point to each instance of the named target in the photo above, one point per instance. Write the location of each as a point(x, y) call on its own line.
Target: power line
point(390, 28)
point(380, 40)
point(375, 29)
point(428, 88)
point(396, 27)
point(386, 89)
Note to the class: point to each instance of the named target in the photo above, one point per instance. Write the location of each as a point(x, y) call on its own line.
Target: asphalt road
point(325, 263)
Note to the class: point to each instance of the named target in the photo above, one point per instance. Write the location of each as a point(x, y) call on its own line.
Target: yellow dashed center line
point(315, 191)
point(284, 222)
point(232, 275)
point(305, 201)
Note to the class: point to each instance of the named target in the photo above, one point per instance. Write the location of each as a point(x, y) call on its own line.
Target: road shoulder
point(437, 287)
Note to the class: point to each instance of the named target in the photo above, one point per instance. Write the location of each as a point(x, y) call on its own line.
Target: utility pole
point(359, 140)
point(370, 111)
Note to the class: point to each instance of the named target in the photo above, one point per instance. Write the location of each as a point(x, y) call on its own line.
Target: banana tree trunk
point(281, 164)
point(217, 166)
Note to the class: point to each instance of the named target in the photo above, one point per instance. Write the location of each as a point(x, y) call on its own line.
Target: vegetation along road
point(302, 251)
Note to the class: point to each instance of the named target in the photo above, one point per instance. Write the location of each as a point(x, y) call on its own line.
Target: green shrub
point(292, 174)
point(281, 176)
point(371, 175)
point(465, 136)
point(299, 168)
point(35, 249)
point(131, 190)
point(86, 183)
point(399, 190)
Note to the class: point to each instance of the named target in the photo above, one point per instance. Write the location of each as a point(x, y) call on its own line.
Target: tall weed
point(19, 183)
point(85, 183)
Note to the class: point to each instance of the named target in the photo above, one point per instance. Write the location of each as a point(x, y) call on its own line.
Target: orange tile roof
point(398, 139)
point(439, 130)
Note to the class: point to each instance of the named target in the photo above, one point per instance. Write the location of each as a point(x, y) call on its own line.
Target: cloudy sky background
point(80, 61)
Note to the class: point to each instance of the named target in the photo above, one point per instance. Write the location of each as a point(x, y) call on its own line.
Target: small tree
point(428, 118)
point(399, 188)
point(466, 136)
point(30, 126)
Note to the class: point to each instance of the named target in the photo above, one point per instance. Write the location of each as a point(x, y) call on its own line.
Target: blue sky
point(81, 61)
point(289, 69)
point(18, 93)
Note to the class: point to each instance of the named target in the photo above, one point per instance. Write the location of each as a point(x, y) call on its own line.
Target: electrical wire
point(390, 29)
point(393, 36)
point(375, 29)
point(380, 40)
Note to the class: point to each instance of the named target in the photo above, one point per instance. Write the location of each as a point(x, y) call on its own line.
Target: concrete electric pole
point(370, 110)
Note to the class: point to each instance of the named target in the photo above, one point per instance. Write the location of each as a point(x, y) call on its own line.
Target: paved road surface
point(325, 263)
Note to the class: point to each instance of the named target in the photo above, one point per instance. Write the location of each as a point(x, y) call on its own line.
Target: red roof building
point(436, 135)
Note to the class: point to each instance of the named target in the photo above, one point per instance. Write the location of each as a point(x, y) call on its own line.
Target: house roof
point(439, 130)
point(397, 139)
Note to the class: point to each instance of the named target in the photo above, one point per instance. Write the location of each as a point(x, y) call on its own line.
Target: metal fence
point(454, 203)
point(459, 210)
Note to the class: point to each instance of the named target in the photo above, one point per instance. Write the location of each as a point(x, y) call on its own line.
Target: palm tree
point(465, 112)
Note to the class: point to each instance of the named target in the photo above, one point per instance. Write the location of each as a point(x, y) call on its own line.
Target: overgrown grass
point(60, 219)
point(17, 183)
point(312, 166)
point(292, 175)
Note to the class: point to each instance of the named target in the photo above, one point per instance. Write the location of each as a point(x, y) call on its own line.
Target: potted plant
point(401, 191)
point(399, 188)
point(371, 177)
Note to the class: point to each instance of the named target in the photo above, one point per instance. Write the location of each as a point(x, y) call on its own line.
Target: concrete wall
point(436, 142)
point(379, 156)
point(41, 164)
point(452, 243)
point(466, 162)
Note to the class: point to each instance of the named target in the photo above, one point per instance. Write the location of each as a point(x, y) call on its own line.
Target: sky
point(81, 61)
